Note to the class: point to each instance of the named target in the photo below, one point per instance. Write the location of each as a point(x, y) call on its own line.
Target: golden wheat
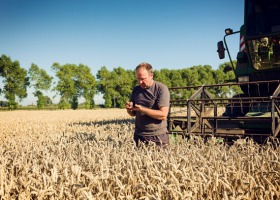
point(90, 154)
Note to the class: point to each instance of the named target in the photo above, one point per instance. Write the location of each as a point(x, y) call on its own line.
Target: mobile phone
point(133, 104)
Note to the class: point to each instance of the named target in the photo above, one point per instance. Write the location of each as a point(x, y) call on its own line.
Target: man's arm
point(160, 114)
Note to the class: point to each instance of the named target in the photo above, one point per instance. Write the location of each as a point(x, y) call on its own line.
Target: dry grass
point(90, 155)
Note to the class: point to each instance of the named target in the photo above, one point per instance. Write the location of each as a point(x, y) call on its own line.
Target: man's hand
point(160, 114)
point(130, 109)
point(129, 105)
point(133, 107)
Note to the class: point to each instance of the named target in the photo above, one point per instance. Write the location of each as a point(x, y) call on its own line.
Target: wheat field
point(90, 154)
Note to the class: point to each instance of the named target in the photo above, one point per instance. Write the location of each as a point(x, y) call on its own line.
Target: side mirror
point(227, 69)
point(221, 50)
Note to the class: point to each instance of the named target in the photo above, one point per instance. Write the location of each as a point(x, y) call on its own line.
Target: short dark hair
point(146, 66)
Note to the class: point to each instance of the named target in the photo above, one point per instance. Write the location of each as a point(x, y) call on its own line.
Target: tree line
point(71, 82)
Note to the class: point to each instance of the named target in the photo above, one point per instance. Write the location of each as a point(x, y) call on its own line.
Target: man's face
point(145, 79)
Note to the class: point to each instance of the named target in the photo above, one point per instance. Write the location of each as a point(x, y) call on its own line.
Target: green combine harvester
point(255, 111)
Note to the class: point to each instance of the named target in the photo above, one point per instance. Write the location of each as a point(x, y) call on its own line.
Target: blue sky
point(172, 34)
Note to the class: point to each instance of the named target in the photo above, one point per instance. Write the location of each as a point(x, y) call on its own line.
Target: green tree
point(65, 84)
point(176, 78)
point(115, 86)
point(163, 76)
point(74, 82)
point(190, 76)
point(105, 85)
point(15, 80)
point(123, 86)
point(42, 100)
point(40, 80)
point(4, 103)
point(86, 85)
point(132, 75)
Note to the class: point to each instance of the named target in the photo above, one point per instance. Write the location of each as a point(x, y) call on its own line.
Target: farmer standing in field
point(149, 102)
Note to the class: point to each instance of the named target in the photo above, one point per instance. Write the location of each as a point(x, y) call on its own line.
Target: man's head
point(144, 74)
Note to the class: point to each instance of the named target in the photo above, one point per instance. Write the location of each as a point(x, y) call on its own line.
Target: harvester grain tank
point(255, 111)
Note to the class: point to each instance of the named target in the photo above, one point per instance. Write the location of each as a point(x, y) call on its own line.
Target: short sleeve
point(164, 96)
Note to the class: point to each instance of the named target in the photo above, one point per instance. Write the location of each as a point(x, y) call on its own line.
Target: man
point(149, 102)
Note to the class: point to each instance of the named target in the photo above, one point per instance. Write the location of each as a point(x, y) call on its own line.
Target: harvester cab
point(254, 111)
